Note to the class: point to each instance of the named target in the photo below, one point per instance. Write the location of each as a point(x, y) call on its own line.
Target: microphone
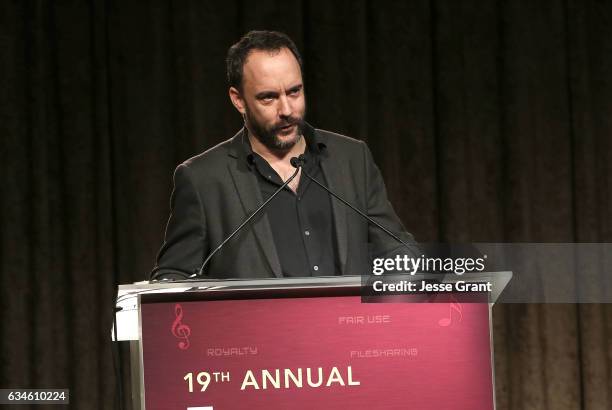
point(297, 164)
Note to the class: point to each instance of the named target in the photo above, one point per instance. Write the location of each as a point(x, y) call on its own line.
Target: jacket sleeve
point(185, 244)
point(380, 209)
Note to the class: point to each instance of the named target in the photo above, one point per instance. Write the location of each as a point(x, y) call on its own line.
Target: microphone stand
point(299, 162)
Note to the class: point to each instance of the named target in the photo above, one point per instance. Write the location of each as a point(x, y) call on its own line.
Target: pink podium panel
point(316, 353)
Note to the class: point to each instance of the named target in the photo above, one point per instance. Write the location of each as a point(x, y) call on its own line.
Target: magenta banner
point(316, 353)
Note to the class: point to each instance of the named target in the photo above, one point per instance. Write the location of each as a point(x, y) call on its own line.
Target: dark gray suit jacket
point(215, 191)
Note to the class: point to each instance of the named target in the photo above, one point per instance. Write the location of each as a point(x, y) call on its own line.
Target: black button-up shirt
point(301, 222)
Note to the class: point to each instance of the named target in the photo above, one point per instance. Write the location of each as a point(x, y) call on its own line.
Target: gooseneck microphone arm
point(299, 162)
point(246, 221)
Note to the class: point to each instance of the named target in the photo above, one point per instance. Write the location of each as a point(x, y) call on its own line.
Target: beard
point(269, 135)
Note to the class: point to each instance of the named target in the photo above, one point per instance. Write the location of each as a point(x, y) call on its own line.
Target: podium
point(305, 343)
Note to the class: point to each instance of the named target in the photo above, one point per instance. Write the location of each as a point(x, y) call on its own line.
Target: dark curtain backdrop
point(490, 120)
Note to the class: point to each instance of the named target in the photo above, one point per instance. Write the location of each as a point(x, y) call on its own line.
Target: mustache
point(288, 121)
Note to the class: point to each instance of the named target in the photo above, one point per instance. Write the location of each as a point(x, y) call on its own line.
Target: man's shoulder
point(335, 138)
point(212, 159)
point(338, 140)
point(340, 144)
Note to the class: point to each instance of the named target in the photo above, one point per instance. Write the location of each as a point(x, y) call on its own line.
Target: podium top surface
point(498, 279)
point(130, 296)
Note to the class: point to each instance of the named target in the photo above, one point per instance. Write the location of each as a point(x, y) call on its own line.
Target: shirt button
point(316, 267)
point(269, 176)
point(307, 233)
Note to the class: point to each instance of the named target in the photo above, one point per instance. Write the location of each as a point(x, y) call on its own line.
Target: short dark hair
point(237, 54)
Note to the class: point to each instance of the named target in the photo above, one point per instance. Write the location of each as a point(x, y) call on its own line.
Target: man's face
point(272, 98)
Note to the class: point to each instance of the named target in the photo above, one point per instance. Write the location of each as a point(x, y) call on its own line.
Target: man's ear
point(237, 100)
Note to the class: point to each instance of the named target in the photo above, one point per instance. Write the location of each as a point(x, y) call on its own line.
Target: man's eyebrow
point(266, 94)
point(273, 94)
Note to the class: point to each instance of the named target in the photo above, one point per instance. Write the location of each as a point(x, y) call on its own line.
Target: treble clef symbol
point(179, 329)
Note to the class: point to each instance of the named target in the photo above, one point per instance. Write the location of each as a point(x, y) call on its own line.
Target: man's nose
point(284, 109)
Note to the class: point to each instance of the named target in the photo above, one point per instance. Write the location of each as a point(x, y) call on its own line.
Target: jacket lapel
point(336, 180)
point(250, 197)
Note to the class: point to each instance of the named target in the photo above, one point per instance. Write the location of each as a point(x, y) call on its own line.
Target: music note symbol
point(179, 329)
point(447, 321)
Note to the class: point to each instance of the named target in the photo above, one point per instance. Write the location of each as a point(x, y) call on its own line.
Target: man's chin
point(284, 141)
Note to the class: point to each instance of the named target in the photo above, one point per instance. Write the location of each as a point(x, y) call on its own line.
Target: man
point(302, 231)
